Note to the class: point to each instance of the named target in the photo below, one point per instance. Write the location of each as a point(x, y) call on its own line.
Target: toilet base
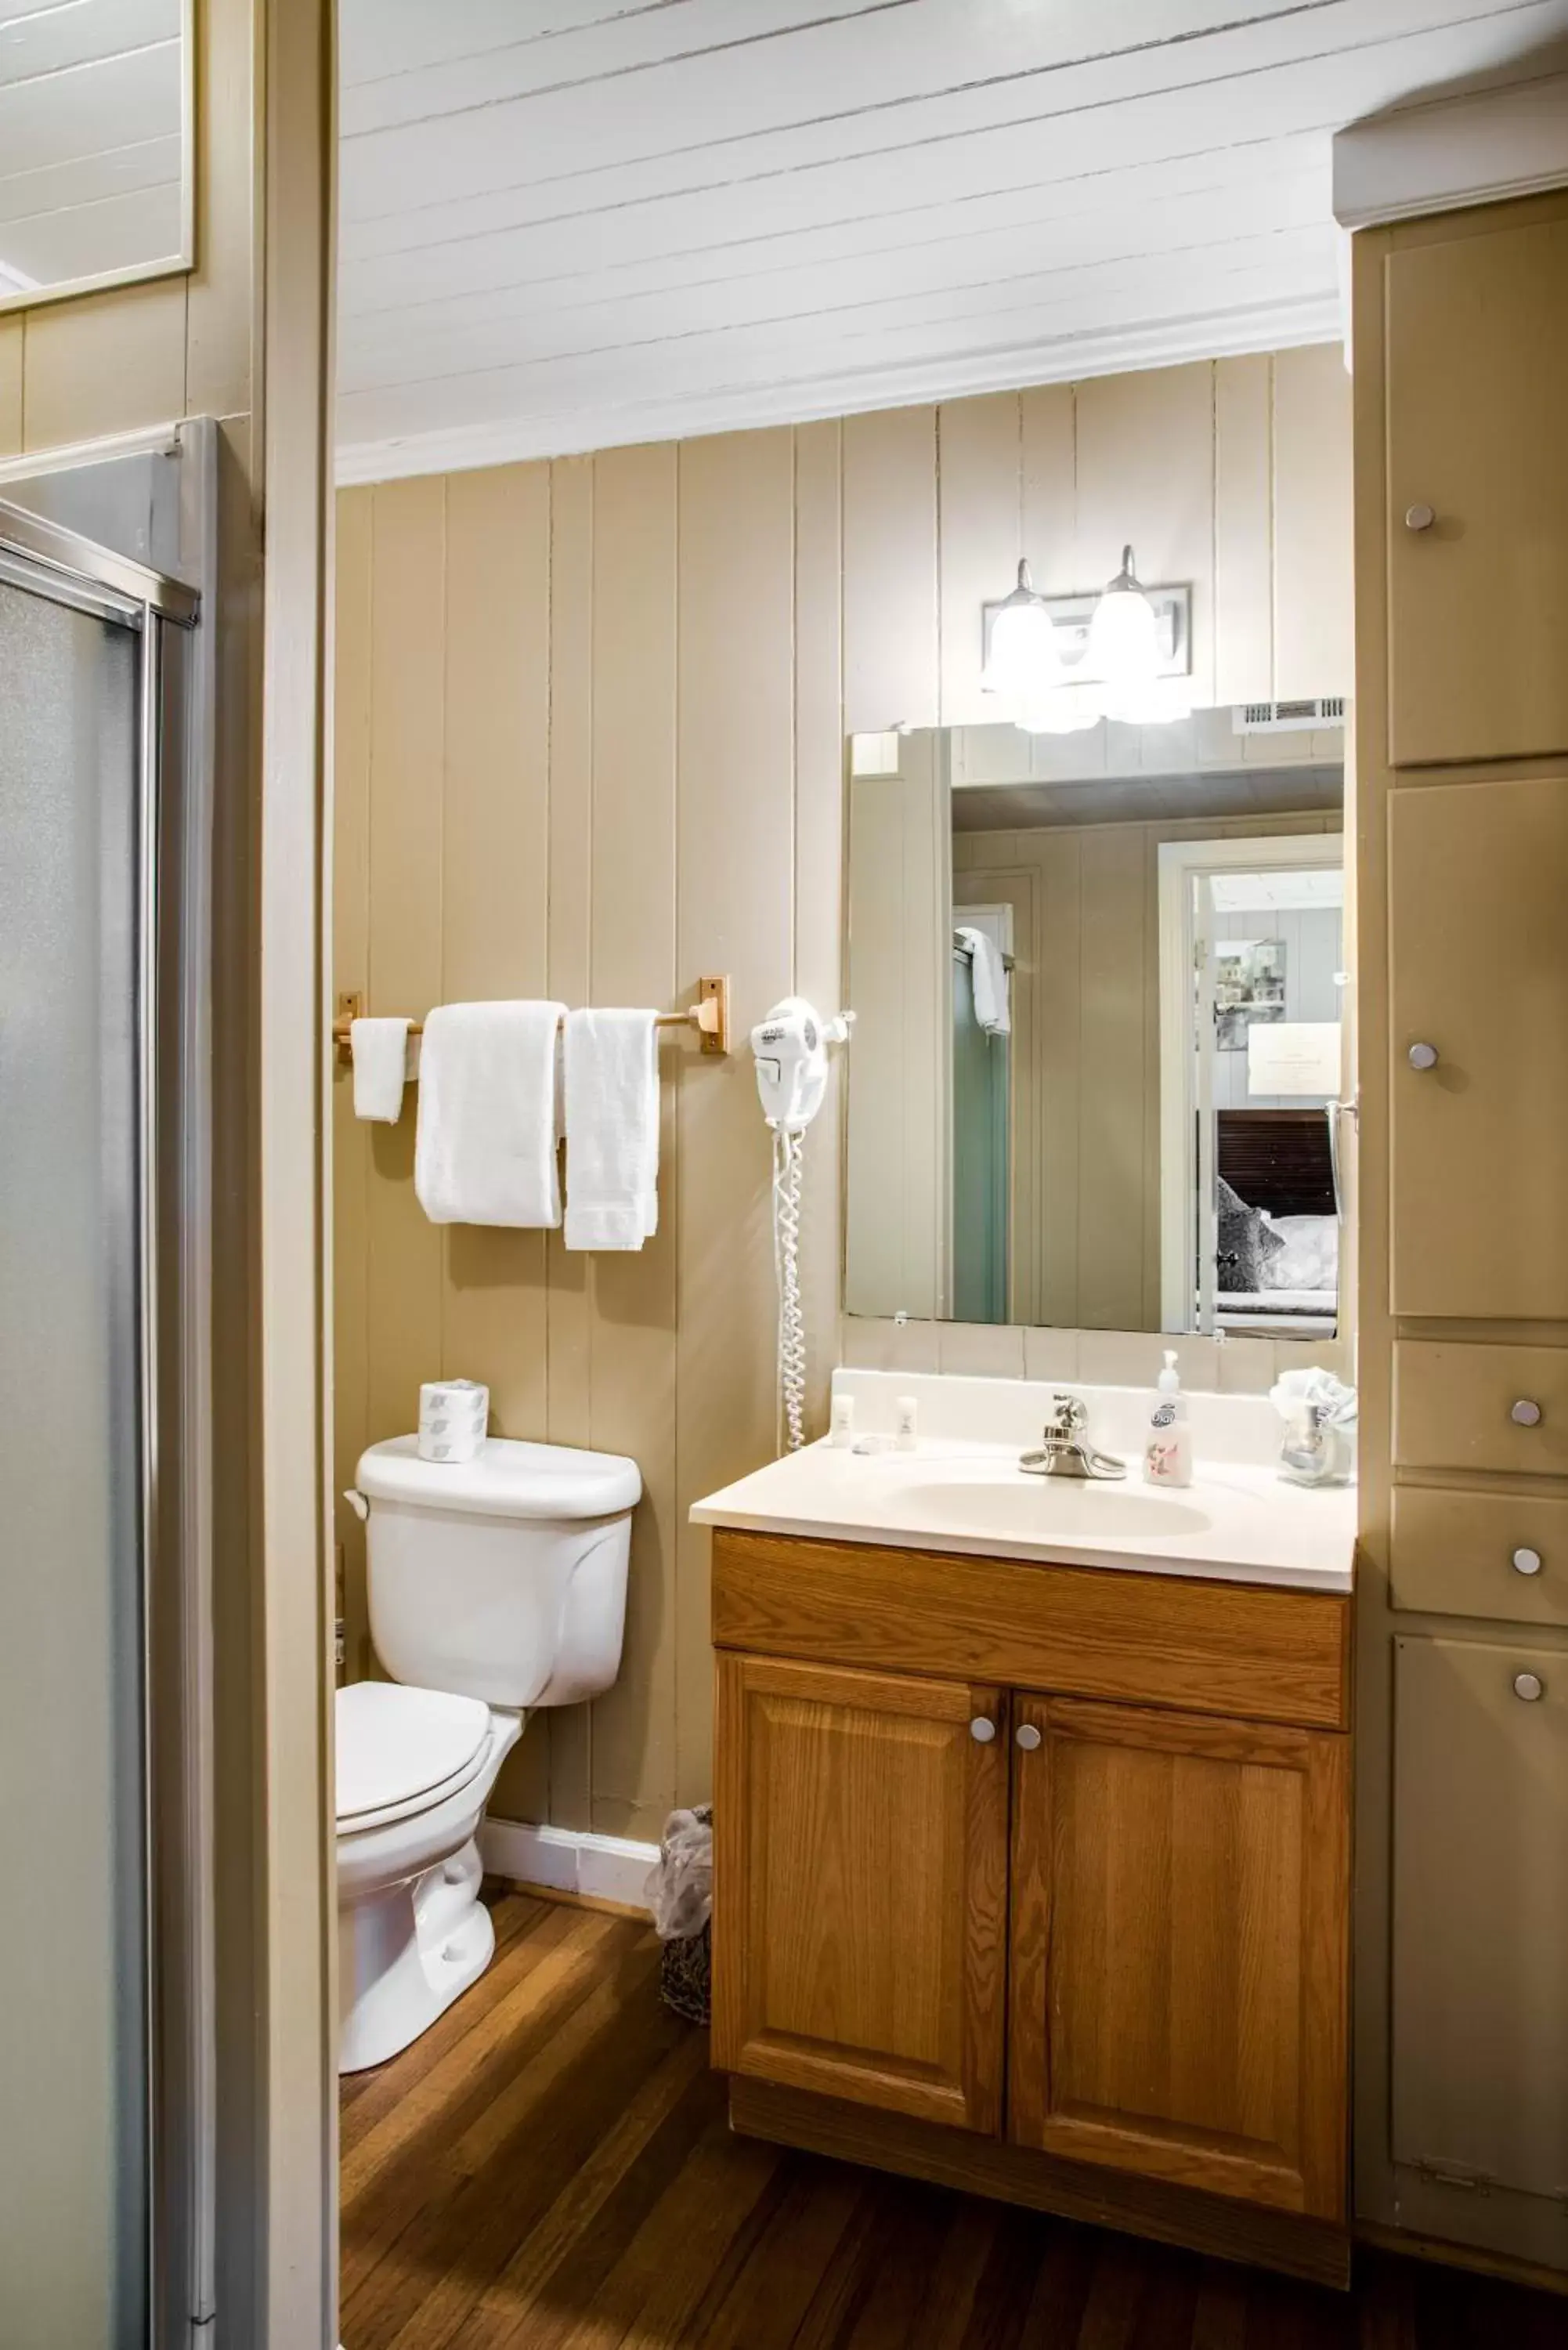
point(405, 1954)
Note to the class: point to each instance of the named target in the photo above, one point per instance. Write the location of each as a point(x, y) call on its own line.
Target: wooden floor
point(551, 2166)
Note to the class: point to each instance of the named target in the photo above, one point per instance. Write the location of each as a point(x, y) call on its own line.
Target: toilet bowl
point(496, 1585)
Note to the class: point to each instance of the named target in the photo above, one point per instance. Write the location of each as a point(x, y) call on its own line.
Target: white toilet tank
point(502, 1577)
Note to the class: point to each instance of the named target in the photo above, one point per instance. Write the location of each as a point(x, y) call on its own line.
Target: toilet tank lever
point(358, 1503)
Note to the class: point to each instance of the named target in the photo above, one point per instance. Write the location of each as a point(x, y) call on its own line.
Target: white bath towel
point(988, 974)
point(486, 1151)
point(380, 1053)
point(612, 1130)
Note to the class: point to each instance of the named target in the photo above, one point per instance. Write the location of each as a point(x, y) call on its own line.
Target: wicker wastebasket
point(680, 1890)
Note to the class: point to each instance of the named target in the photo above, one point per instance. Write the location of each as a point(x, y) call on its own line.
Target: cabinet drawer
point(1453, 1555)
point(1454, 1405)
point(1151, 1639)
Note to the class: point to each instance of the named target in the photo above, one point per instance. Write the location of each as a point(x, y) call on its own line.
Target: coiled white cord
point(788, 1160)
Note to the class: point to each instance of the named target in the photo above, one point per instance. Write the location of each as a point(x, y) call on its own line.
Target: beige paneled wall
point(591, 719)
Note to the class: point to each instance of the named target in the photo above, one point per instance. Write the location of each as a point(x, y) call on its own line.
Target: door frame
point(1179, 862)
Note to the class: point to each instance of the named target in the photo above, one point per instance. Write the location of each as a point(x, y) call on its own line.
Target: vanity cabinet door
point(860, 1887)
point(1177, 1997)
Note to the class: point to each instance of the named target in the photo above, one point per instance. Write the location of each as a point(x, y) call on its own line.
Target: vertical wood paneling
point(1146, 474)
point(890, 627)
point(1111, 1100)
point(1050, 459)
point(604, 709)
point(494, 880)
point(1313, 610)
point(819, 785)
point(979, 516)
point(11, 337)
point(1243, 530)
point(735, 850)
point(351, 1139)
point(403, 962)
point(631, 1779)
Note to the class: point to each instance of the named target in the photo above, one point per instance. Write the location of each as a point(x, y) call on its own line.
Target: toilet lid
point(395, 1744)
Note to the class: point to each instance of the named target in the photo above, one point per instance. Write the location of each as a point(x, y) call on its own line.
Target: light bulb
point(1124, 634)
point(1065, 710)
point(1022, 659)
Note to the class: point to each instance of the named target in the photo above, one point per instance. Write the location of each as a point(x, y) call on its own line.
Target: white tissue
point(454, 1415)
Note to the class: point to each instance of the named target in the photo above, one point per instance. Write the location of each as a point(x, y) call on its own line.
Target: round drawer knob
point(1419, 517)
point(1028, 1737)
point(1529, 1686)
point(1525, 1414)
point(1526, 1561)
point(982, 1730)
point(1423, 1056)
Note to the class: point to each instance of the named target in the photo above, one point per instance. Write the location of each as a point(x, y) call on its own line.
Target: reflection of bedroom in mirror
point(1098, 981)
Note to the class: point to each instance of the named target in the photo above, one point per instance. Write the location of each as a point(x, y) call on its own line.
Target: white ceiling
point(567, 223)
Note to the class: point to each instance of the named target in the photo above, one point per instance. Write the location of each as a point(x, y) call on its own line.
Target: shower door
point(81, 710)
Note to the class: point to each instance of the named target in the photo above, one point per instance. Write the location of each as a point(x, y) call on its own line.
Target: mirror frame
point(174, 265)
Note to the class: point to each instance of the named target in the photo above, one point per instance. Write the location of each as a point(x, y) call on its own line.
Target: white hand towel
point(485, 1150)
point(380, 1051)
point(987, 975)
point(611, 1063)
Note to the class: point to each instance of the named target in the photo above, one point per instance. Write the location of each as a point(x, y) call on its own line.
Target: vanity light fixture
point(1060, 664)
point(1022, 660)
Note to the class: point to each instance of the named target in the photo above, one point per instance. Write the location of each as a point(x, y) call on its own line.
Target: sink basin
point(1014, 1507)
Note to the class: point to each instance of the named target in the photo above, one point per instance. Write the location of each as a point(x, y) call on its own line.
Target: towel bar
point(710, 1015)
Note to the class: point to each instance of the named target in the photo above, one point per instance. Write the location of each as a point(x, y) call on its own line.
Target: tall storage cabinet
point(1461, 793)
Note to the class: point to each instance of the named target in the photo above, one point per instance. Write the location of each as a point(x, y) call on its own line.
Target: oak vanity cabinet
point(1068, 1896)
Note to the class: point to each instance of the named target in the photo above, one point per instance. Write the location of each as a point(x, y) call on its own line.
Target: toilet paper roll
point(455, 1416)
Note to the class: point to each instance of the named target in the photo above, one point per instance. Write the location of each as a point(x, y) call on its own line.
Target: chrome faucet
point(1065, 1447)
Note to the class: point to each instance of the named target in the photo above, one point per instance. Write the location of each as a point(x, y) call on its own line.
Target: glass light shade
point(1022, 657)
point(1157, 702)
point(1124, 634)
point(1065, 710)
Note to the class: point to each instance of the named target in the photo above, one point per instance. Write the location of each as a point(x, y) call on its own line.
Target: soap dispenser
point(1167, 1456)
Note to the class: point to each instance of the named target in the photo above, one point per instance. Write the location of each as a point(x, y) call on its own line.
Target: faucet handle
point(1069, 1416)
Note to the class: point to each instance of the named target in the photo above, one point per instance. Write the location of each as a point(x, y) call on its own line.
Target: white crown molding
point(1225, 334)
point(568, 1860)
point(1434, 158)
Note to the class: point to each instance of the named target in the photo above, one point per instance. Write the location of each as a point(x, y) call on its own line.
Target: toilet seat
point(402, 1750)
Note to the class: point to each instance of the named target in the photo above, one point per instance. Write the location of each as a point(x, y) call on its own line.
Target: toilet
point(496, 1585)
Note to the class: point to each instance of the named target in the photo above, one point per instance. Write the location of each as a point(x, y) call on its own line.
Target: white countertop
point(1236, 1522)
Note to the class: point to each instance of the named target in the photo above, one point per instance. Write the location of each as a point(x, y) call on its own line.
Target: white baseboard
point(568, 1860)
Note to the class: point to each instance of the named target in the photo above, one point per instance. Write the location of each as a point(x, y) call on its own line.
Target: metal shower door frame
point(42, 557)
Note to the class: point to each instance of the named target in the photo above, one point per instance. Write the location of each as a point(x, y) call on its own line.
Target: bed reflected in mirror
point(1098, 982)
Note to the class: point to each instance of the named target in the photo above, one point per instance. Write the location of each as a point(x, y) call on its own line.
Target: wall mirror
point(1098, 981)
point(96, 138)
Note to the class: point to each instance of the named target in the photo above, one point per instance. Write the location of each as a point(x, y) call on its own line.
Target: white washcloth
point(987, 975)
point(380, 1051)
point(486, 1151)
point(611, 1061)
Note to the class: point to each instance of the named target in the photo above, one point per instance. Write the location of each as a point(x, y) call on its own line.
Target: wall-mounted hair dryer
point(790, 1049)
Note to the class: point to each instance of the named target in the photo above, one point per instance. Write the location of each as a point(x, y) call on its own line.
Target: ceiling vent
point(1288, 717)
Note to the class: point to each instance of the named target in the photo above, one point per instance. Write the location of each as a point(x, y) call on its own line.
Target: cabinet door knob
point(1529, 1686)
point(1423, 1056)
point(1420, 516)
point(1526, 1561)
point(1028, 1737)
point(1525, 1414)
point(982, 1730)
